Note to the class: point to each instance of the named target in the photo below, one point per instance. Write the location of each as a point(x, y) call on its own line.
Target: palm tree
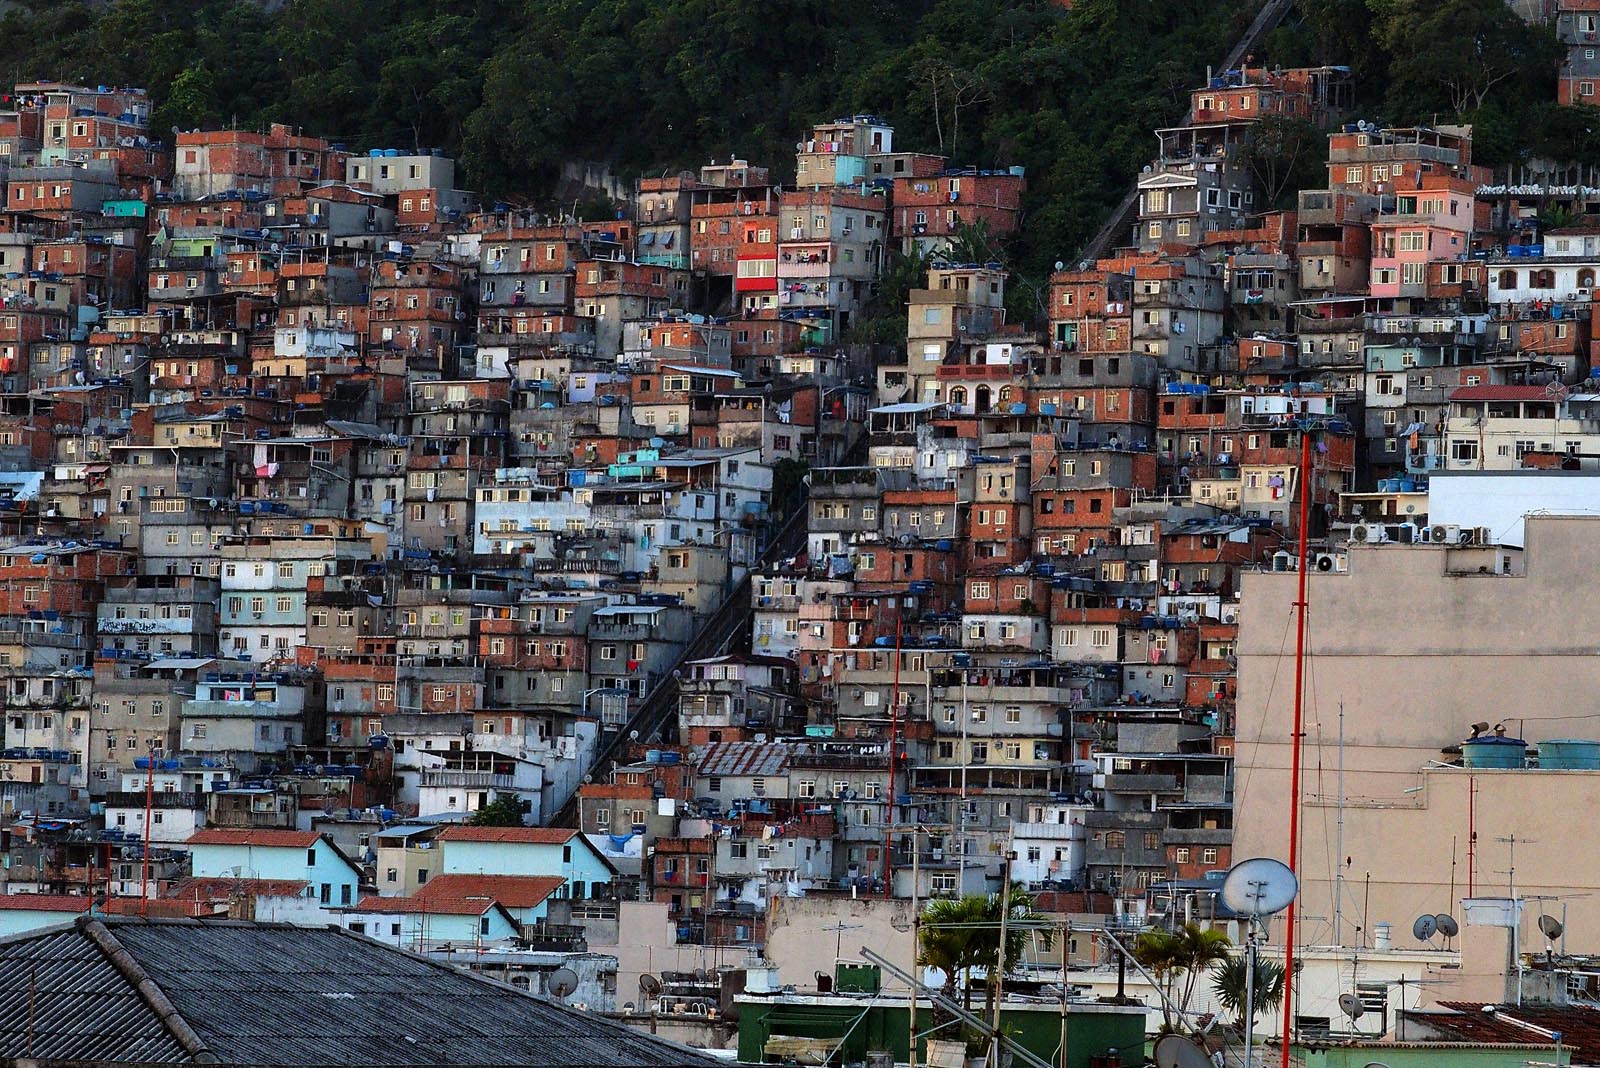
point(1177, 959)
point(950, 938)
point(1229, 981)
point(963, 934)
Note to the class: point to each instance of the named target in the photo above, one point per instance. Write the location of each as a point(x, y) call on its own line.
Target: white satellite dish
point(1259, 887)
point(1351, 1006)
point(1176, 1051)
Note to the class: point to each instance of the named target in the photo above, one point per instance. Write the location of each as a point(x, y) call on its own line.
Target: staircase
point(1121, 217)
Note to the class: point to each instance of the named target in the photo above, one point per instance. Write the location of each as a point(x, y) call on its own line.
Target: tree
point(1177, 959)
point(505, 810)
point(1284, 154)
point(950, 942)
point(970, 242)
point(1452, 56)
point(192, 102)
point(1229, 980)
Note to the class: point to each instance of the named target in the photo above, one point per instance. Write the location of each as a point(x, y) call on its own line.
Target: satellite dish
point(700, 975)
point(1550, 927)
point(627, 1006)
point(1447, 925)
point(562, 982)
point(1351, 1006)
point(649, 985)
point(1060, 265)
point(1260, 886)
point(1425, 928)
point(1176, 1051)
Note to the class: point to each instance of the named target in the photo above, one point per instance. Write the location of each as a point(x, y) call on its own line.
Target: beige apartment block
point(1407, 649)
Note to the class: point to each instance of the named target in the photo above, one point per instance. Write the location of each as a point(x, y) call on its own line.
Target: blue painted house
point(549, 851)
point(333, 880)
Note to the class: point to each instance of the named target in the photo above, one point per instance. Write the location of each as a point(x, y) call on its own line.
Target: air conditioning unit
point(1369, 534)
point(1331, 563)
point(1475, 536)
point(1444, 534)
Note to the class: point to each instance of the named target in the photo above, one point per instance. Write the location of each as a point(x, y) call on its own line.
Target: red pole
point(894, 732)
point(1294, 746)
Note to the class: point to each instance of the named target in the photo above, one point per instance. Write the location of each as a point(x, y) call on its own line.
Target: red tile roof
point(514, 835)
point(218, 889)
point(404, 906)
point(512, 891)
point(247, 837)
point(79, 903)
point(1501, 393)
point(45, 902)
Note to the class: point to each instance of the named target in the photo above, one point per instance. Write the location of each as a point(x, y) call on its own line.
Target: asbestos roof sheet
point(82, 1007)
point(279, 995)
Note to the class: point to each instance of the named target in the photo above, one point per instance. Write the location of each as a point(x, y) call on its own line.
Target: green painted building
point(840, 1029)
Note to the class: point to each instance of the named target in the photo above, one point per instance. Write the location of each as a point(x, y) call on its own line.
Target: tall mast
point(1296, 737)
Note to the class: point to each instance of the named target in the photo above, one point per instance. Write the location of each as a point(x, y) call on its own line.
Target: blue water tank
point(1494, 753)
point(669, 757)
point(1408, 485)
point(1570, 754)
point(652, 756)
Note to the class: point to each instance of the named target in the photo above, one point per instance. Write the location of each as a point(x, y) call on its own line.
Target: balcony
point(458, 778)
point(1124, 782)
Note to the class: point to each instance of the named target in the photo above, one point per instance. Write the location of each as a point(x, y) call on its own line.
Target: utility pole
point(1000, 960)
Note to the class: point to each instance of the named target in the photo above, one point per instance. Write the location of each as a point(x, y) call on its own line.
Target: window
point(1208, 856)
point(1116, 840)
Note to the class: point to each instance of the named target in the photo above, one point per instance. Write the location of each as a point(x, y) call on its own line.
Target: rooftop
point(114, 991)
point(269, 839)
point(512, 835)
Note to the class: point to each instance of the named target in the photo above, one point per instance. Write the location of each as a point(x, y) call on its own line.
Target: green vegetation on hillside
point(515, 87)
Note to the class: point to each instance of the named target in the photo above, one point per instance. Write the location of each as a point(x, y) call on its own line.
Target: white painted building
point(1499, 501)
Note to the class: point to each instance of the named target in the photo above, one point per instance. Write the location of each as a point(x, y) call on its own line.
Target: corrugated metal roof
point(277, 995)
point(744, 758)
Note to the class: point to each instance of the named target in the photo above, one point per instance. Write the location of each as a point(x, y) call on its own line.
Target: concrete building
point(1410, 647)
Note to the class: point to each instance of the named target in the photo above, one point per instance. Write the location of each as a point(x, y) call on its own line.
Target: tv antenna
point(1255, 889)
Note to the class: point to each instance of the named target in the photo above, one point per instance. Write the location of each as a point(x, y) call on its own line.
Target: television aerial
point(562, 983)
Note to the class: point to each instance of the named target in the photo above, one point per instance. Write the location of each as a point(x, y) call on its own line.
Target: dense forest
point(514, 87)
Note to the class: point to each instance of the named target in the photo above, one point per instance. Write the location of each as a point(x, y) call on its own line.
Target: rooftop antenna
point(1255, 889)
